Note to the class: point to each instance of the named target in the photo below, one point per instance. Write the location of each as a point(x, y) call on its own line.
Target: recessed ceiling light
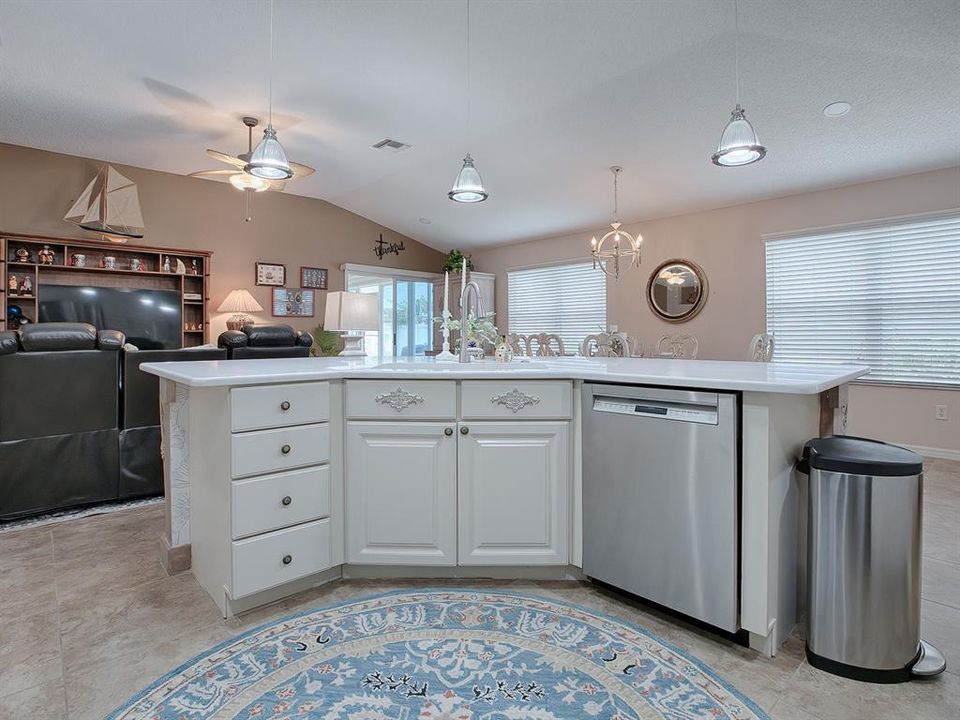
point(837, 109)
point(425, 221)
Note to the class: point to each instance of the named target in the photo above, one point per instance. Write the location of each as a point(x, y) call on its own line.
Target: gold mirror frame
point(701, 301)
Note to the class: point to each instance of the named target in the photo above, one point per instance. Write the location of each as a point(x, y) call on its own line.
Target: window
point(887, 296)
point(569, 300)
point(406, 309)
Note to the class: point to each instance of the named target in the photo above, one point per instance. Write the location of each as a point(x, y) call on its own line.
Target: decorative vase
point(503, 352)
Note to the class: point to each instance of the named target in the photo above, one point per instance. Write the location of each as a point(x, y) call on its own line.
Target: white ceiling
point(560, 91)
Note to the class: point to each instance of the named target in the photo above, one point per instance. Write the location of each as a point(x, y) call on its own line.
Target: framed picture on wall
point(271, 274)
point(312, 277)
point(292, 302)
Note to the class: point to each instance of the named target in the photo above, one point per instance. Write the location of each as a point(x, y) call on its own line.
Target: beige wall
point(37, 188)
point(727, 244)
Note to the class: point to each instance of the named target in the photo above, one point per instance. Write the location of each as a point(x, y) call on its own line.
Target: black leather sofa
point(265, 341)
point(59, 429)
point(141, 467)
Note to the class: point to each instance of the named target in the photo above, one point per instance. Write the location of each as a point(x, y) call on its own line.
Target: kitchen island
point(282, 474)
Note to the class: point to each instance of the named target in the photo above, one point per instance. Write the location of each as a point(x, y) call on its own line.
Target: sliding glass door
point(406, 302)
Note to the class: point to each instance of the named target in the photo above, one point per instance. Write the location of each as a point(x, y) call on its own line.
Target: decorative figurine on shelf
point(136, 264)
point(193, 267)
point(46, 255)
point(181, 268)
point(12, 284)
point(26, 285)
point(166, 264)
point(109, 262)
point(22, 255)
point(78, 260)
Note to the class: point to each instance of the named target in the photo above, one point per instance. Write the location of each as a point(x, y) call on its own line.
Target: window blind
point(887, 296)
point(569, 300)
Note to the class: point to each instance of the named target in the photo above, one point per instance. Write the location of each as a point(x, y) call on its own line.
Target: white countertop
point(713, 374)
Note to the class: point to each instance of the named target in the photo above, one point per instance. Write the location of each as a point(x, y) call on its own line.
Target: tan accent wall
point(727, 244)
point(38, 187)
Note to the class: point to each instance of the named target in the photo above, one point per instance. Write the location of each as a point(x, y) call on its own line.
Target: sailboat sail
point(109, 205)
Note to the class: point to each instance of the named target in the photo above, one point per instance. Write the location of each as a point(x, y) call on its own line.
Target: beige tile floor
point(88, 617)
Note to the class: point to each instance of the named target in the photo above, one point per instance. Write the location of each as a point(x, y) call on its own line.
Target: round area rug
point(443, 655)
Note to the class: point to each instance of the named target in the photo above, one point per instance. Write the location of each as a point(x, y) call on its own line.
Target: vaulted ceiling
point(560, 91)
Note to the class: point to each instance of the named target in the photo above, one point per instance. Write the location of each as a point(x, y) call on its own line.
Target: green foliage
point(454, 262)
point(477, 328)
point(325, 342)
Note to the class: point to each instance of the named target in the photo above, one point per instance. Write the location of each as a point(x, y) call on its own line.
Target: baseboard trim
point(940, 453)
point(174, 558)
point(465, 572)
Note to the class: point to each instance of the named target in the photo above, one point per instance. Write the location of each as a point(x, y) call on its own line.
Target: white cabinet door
point(514, 486)
point(401, 482)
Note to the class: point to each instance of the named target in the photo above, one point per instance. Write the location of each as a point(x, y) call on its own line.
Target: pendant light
point(468, 187)
point(268, 160)
point(618, 250)
point(739, 144)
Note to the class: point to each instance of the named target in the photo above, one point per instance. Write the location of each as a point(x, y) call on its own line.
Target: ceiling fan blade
point(277, 185)
point(212, 173)
point(301, 171)
point(224, 157)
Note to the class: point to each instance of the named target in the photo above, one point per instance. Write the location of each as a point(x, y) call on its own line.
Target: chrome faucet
point(465, 313)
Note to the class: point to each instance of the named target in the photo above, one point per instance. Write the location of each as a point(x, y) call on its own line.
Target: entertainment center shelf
point(28, 262)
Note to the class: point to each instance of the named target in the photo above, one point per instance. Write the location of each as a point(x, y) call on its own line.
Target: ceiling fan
point(238, 177)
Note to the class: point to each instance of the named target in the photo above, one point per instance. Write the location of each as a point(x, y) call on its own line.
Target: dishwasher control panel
point(703, 414)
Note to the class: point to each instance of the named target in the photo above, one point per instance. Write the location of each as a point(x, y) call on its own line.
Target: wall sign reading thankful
point(381, 247)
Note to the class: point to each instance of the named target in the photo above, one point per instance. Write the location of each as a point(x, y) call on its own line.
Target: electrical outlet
point(940, 412)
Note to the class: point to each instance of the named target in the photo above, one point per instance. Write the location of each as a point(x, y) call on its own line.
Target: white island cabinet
point(283, 474)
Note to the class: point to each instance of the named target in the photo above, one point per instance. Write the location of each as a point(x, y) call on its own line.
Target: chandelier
point(618, 250)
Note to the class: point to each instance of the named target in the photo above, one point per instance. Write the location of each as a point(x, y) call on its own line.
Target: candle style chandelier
point(618, 250)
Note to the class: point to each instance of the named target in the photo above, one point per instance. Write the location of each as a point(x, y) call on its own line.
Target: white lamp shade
point(239, 301)
point(352, 311)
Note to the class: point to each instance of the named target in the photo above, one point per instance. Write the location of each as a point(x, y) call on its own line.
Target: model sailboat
point(109, 205)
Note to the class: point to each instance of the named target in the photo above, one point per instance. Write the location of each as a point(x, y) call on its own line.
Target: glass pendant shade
point(244, 181)
point(268, 160)
point(739, 144)
point(468, 187)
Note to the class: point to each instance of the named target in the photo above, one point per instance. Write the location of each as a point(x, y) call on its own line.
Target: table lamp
point(239, 302)
point(352, 312)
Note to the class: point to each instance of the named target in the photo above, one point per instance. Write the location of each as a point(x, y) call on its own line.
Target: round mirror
point(677, 290)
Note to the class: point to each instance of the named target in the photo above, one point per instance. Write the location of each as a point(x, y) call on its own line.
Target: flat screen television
point(149, 318)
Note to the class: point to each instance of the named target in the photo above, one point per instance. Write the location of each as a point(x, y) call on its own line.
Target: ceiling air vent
point(390, 145)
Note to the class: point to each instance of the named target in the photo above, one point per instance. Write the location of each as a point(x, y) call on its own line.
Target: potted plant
point(454, 262)
point(325, 342)
point(480, 331)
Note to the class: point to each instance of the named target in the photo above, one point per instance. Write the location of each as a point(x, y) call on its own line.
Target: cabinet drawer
point(275, 501)
point(270, 406)
point(266, 561)
point(518, 400)
point(265, 451)
point(420, 399)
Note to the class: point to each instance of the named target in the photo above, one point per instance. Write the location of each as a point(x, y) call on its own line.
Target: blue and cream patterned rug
point(443, 655)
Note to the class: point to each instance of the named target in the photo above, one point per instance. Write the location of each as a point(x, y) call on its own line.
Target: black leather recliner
point(141, 467)
point(59, 394)
point(265, 341)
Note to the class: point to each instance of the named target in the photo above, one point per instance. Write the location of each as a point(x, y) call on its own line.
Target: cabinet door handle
point(285, 405)
point(285, 449)
point(448, 431)
point(464, 430)
point(287, 559)
point(287, 500)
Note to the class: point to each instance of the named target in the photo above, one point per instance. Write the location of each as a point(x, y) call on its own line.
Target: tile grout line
point(56, 595)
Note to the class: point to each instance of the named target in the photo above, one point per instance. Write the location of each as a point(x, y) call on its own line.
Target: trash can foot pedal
point(931, 661)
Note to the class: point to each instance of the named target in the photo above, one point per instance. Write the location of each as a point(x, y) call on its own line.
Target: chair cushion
point(270, 335)
point(58, 336)
point(8, 342)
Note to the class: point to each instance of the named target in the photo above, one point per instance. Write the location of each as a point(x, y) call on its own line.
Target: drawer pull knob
point(285, 449)
point(464, 430)
point(287, 500)
point(285, 405)
point(287, 559)
point(448, 432)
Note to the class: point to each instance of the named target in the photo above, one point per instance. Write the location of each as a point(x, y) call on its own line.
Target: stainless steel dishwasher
point(661, 497)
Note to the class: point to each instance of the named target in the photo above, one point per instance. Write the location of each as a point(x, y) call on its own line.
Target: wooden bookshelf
point(105, 264)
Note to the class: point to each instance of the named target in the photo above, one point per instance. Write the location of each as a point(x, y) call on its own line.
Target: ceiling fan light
point(739, 144)
point(468, 187)
point(268, 160)
point(245, 181)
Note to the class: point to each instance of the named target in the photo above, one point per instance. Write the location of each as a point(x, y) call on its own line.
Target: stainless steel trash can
point(864, 537)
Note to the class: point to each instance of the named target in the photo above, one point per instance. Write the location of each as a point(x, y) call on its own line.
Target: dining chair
point(760, 348)
point(545, 345)
point(519, 344)
point(678, 346)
